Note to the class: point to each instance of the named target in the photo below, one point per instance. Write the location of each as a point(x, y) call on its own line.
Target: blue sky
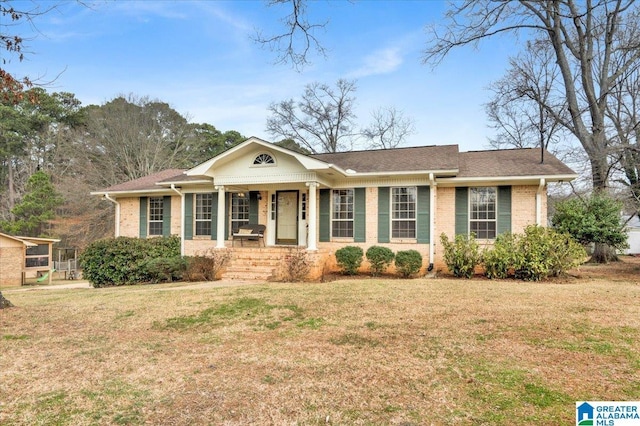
point(199, 57)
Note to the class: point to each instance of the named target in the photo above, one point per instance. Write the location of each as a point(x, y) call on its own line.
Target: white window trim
point(352, 220)
point(414, 220)
point(150, 220)
point(470, 212)
point(253, 164)
point(195, 214)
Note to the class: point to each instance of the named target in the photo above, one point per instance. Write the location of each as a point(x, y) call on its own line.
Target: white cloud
point(383, 61)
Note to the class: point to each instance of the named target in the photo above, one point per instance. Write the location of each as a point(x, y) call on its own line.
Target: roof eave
point(439, 173)
point(533, 179)
point(131, 192)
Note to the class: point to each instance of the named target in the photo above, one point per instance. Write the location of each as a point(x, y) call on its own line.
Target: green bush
point(165, 269)
point(349, 258)
point(408, 262)
point(544, 252)
point(461, 255)
point(500, 260)
point(124, 260)
point(379, 258)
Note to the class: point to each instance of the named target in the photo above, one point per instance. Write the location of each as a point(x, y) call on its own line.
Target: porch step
point(255, 263)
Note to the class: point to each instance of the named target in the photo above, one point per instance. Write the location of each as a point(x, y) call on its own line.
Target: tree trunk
point(603, 253)
point(4, 303)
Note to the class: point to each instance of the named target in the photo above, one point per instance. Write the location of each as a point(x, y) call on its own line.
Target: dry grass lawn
point(348, 352)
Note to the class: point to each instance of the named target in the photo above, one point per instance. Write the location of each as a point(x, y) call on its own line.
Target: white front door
point(287, 217)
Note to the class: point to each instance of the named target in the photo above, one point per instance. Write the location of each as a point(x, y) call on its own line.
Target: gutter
point(539, 201)
point(117, 224)
point(182, 210)
point(432, 218)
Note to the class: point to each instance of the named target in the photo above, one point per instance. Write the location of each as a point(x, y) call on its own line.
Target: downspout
point(539, 202)
point(182, 209)
point(117, 230)
point(432, 220)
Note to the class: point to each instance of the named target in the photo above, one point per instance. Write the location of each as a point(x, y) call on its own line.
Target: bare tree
point(321, 121)
point(132, 137)
point(299, 37)
point(388, 129)
point(623, 112)
point(577, 32)
point(523, 100)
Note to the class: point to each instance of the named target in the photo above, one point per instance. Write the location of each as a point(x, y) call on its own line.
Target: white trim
point(432, 219)
point(117, 221)
point(541, 187)
point(502, 180)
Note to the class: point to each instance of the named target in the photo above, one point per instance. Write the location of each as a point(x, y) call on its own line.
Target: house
point(400, 198)
point(24, 257)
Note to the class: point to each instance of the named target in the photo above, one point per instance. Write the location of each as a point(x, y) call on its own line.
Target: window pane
point(204, 204)
point(156, 210)
point(239, 211)
point(483, 212)
point(342, 213)
point(403, 212)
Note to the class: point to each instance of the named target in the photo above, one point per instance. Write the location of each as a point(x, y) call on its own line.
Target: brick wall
point(11, 264)
point(129, 217)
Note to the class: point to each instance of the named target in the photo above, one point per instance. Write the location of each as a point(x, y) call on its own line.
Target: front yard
point(365, 351)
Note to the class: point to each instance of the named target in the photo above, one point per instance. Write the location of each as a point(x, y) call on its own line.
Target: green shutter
point(383, 214)
point(253, 207)
point(423, 223)
point(462, 211)
point(214, 216)
point(188, 217)
point(504, 209)
point(359, 215)
point(166, 216)
point(144, 201)
point(325, 215)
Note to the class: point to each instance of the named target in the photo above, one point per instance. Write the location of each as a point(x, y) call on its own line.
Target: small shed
point(632, 228)
point(25, 257)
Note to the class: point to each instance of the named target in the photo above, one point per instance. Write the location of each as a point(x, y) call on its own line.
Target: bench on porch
point(250, 233)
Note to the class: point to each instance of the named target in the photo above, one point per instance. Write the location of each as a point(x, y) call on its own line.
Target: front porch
point(269, 263)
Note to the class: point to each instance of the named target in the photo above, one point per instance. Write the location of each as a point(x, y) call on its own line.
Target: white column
point(220, 224)
point(313, 221)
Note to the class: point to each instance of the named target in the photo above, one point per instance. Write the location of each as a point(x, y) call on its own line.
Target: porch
point(268, 263)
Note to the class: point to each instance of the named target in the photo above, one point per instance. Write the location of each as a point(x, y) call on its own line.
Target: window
point(37, 256)
point(342, 213)
point(239, 211)
point(263, 160)
point(156, 207)
point(203, 214)
point(403, 212)
point(482, 220)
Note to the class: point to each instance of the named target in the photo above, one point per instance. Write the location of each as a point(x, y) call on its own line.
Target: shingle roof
point(423, 158)
point(510, 162)
point(147, 182)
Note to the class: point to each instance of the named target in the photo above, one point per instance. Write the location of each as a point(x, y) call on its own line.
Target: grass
point(366, 352)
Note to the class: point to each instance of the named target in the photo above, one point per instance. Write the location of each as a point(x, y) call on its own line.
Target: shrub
point(379, 258)
point(408, 262)
point(349, 258)
point(206, 265)
point(461, 255)
point(544, 252)
point(296, 265)
point(123, 260)
point(161, 269)
point(500, 261)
